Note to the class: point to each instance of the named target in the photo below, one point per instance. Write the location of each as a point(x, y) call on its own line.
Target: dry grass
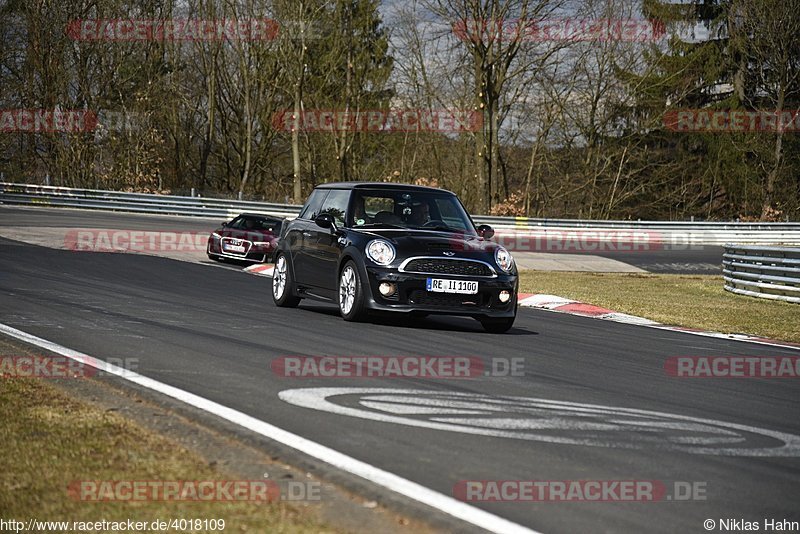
point(50, 440)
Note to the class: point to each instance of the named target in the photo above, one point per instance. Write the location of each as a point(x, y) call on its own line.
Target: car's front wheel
point(351, 293)
point(282, 284)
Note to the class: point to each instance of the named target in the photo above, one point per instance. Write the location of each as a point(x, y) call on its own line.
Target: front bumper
point(254, 253)
point(412, 295)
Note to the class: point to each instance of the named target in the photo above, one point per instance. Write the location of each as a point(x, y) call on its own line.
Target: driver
point(359, 212)
point(420, 214)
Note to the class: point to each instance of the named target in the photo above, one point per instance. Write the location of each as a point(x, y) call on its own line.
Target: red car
point(248, 237)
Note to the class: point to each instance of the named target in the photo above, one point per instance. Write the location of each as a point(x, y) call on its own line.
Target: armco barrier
point(680, 234)
point(42, 195)
point(764, 272)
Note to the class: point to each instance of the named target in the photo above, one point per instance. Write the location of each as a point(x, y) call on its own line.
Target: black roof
point(378, 185)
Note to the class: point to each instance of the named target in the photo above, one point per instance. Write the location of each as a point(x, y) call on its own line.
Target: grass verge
point(696, 301)
point(50, 440)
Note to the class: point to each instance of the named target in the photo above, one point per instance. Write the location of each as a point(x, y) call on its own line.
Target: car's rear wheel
point(497, 326)
point(351, 293)
point(282, 284)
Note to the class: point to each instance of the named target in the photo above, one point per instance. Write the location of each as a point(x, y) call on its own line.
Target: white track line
point(412, 490)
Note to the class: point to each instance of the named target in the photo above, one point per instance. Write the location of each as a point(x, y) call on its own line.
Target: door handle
point(307, 234)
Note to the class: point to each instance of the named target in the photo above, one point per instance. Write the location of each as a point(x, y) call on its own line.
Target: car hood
point(433, 242)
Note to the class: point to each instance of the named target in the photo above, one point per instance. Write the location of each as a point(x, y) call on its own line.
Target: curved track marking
point(549, 421)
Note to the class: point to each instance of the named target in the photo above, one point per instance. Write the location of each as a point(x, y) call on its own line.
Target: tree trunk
point(772, 176)
point(482, 202)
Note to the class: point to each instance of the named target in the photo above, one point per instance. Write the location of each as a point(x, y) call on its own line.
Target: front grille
point(446, 266)
point(420, 297)
point(242, 242)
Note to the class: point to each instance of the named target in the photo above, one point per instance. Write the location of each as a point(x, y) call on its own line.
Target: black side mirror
point(224, 224)
point(485, 231)
point(325, 220)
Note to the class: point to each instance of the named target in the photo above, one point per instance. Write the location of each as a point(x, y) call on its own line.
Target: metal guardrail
point(650, 225)
point(680, 233)
point(765, 272)
point(43, 195)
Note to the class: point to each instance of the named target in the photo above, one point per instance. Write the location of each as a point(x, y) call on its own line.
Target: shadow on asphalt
point(433, 322)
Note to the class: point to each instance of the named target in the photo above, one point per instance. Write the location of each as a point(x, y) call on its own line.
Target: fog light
point(505, 296)
point(387, 289)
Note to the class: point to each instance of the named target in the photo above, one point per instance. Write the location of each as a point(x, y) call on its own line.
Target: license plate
point(440, 285)
point(233, 248)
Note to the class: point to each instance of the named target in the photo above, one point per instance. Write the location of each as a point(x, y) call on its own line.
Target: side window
point(311, 209)
point(336, 204)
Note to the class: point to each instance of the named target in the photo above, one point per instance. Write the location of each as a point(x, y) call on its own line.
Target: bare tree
point(493, 32)
point(767, 38)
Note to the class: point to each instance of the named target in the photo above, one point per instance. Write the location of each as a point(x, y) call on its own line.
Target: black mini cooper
point(394, 247)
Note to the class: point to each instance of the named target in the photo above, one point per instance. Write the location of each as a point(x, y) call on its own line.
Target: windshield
point(429, 210)
point(256, 223)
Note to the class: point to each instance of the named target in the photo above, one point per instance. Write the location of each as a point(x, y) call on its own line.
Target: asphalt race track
point(570, 416)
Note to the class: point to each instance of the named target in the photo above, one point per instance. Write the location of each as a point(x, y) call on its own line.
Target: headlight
point(380, 251)
point(503, 259)
point(215, 235)
point(261, 243)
